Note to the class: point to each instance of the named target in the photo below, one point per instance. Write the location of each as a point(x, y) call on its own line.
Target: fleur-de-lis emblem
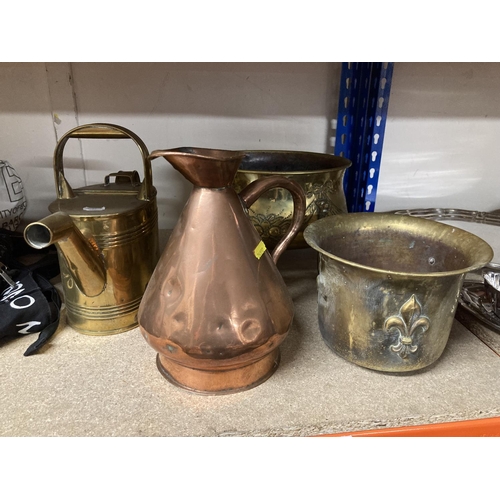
point(407, 322)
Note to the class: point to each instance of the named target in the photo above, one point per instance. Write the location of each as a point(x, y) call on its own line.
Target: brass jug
point(320, 175)
point(106, 236)
point(216, 308)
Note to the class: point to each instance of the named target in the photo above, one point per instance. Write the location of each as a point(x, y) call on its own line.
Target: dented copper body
point(216, 309)
point(388, 286)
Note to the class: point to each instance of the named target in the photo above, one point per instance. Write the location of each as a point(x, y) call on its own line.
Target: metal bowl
point(320, 175)
point(388, 286)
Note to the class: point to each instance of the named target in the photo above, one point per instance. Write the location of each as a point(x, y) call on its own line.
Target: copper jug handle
point(254, 190)
point(100, 131)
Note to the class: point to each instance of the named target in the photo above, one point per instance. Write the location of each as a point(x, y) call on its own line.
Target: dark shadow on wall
point(445, 90)
point(207, 89)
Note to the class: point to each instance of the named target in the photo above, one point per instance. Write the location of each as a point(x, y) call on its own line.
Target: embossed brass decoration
point(320, 175)
point(371, 266)
point(217, 309)
point(409, 320)
point(106, 236)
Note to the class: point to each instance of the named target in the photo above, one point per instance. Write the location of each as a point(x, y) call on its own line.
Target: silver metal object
point(456, 214)
point(492, 286)
point(475, 299)
point(5, 276)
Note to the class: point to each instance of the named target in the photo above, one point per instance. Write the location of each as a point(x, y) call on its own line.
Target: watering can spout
point(80, 254)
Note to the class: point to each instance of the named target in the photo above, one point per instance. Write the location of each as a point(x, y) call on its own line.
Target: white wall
point(441, 149)
point(216, 105)
point(442, 140)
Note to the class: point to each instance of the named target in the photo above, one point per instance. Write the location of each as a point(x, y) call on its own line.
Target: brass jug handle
point(254, 190)
point(100, 131)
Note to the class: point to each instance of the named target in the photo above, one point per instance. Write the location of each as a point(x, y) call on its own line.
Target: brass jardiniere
point(388, 286)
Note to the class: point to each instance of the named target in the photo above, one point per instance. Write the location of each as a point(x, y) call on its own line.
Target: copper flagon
point(217, 309)
point(106, 236)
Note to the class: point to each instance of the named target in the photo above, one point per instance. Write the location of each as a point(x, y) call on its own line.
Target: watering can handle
point(100, 131)
point(254, 190)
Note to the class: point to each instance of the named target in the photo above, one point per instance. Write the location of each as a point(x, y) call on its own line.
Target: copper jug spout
point(206, 168)
point(80, 253)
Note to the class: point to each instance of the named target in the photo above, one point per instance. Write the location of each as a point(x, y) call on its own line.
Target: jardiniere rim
point(343, 163)
point(483, 247)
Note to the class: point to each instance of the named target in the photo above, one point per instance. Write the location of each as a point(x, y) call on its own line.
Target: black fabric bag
point(29, 303)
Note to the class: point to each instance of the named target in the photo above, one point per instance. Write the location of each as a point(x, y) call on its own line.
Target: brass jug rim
point(343, 163)
point(282, 172)
point(484, 251)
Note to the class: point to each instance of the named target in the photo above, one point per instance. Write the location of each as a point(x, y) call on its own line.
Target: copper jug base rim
point(220, 382)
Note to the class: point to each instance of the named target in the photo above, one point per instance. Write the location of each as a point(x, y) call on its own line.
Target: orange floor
point(486, 427)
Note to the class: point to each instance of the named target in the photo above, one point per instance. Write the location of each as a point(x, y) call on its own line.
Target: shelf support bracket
point(362, 113)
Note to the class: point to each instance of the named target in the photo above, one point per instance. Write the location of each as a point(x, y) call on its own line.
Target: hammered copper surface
point(106, 236)
point(320, 176)
point(388, 286)
point(216, 308)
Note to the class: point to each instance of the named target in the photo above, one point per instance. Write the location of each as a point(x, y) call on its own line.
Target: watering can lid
point(103, 200)
point(126, 182)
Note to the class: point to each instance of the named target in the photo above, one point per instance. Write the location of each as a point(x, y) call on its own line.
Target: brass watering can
point(106, 236)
